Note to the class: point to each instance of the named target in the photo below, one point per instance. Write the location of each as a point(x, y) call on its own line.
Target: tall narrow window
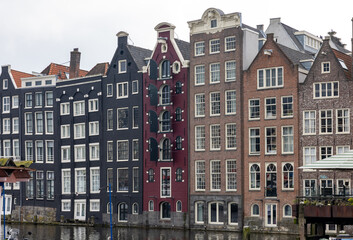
point(326, 121)
point(165, 149)
point(230, 102)
point(309, 155)
point(40, 184)
point(50, 151)
point(50, 185)
point(135, 149)
point(215, 137)
point(215, 175)
point(287, 139)
point(200, 105)
point(288, 176)
point(215, 103)
point(95, 180)
point(200, 175)
point(38, 99)
point(165, 182)
point(231, 175)
point(199, 138)
point(135, 179)
point(342, 118)
point(215, 73)
point(309, 122)
point(231, 136)
point(29, 123)
point(178, 114)
point(199, 74)
point(165, 95)
point(39, 151)
point(254, 176)
point(110, 119)
point(123, 118)
point(270, 108)
point(230, 71)
point(287, 106)
point(49, 122)
point(254, 134)
point(165, 69)
point(123, 150)
point(123, 179)
point(254, 109)
point(135, 117)
point(49, 99)
point(271, 140)
point(165, 121)
point(110, 151)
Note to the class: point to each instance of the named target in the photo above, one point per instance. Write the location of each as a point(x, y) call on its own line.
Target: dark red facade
point(165, 177)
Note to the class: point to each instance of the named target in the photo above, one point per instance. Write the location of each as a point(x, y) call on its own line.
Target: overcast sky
point(34, 33)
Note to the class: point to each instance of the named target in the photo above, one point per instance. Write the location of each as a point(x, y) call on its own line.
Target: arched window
point(165, 95)
point(178, 116)
point(179, 144)
point(287, 211)
point(179, 175)
point(178, 87)
point(271, 180)
point(150, 175)
point(288, 174)
point(151, 206)
point(178, 206)
point(255, 210)
point(165, 210)
point(108, 207)
point(165, 149)
point(165, 69)
point(165, 121)
point(233, 213)
point(135, 208)
point(255, 176)
point(123, 208)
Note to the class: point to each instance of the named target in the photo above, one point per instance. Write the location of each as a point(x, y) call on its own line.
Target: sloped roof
point(100, 68)
point(347, 60)
point(342, 161)
point(295, 56)
point(261, 33)
point(184, 48)
point(17, 75)
point(139, 55)
point(60, 70)
point(291, 32)
point(337, 42)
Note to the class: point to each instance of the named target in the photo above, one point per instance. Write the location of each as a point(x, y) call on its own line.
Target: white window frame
point(80, 203)
point(254, 106)
point(213, 176)
point(254, 137)
point(196, 212)
point(93, 128)
point(80, 147)
point(6, 126)
point(309, 155)
point(117, 113)
point(200, 174)
point(76, 181)
point(288, 188)
point(230, 136)
point(215, 102)
point(5, 84)
point(229, 71)
point(270, 136)
point(282, 109)
point(110, 88)
point(65, 131)
point(15, 103)
point(266, 105)
point(49, 159)
point(311, 129)
point(67, 149)
point(7, 148)
point(47, 122)
point(65, 108)
point(79, 108)
point(345, 120)
point(320, 121)
point(226, 40)
point(93, 105)
point(200, 138)
point(200, 106)
point(231, 103)
point(215, 71)
point(63, 208)
point(196, 47)
point(170, 182)
point(264, 71)
point(326, 147)
point(229, 174)
point(108, 143)
point(46, 98)
point(94, 152)
point(214, 44)
point(288, 136)
point(117, 150)
point(215, 138)
point(326, 88)
point(92, 180)
point(15, 126)
point(117, 179)
point(94, 201)
point(199, 74)
point(135, 84)
point(39, 158)
point(124, 94)
point(323, 70)
point(6, 104)
point(217, 212)
point(252, 210)
point(132, 149)
point(82, 130)
point(120, 64)
point(284, 211)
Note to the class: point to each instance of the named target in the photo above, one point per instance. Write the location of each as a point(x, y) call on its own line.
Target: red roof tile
point(347, 60)
point(60, 71)
point(17, 75)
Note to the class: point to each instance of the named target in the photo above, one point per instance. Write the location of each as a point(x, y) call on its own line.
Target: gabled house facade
point(325, 115)
point(122, 126)
point(221, 47)
point(271, 126)
point(165, 135)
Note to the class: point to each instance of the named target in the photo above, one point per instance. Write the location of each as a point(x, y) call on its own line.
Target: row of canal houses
point(206, 135)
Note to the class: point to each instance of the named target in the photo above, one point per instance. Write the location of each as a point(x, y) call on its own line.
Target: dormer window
point(213, 23)
point(165, 69)
point(325, 67)
point(5, 84)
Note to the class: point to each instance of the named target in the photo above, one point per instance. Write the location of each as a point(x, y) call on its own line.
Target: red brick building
point(271, 126)
point(165, 177)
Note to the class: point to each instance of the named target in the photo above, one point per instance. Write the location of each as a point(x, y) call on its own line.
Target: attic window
point(213, 23)
point(5, 84)
point(343, 64)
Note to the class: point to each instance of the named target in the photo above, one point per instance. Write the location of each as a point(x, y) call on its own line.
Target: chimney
point(122, 38)
point(75, 63)
point(260, 27)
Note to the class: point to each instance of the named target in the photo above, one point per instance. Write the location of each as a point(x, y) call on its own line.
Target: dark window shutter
point(153, 70)
point(153, 94)
point(153, 149)
point(153, 121)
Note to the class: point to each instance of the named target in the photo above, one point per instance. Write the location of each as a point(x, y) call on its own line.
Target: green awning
point(340, 161)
